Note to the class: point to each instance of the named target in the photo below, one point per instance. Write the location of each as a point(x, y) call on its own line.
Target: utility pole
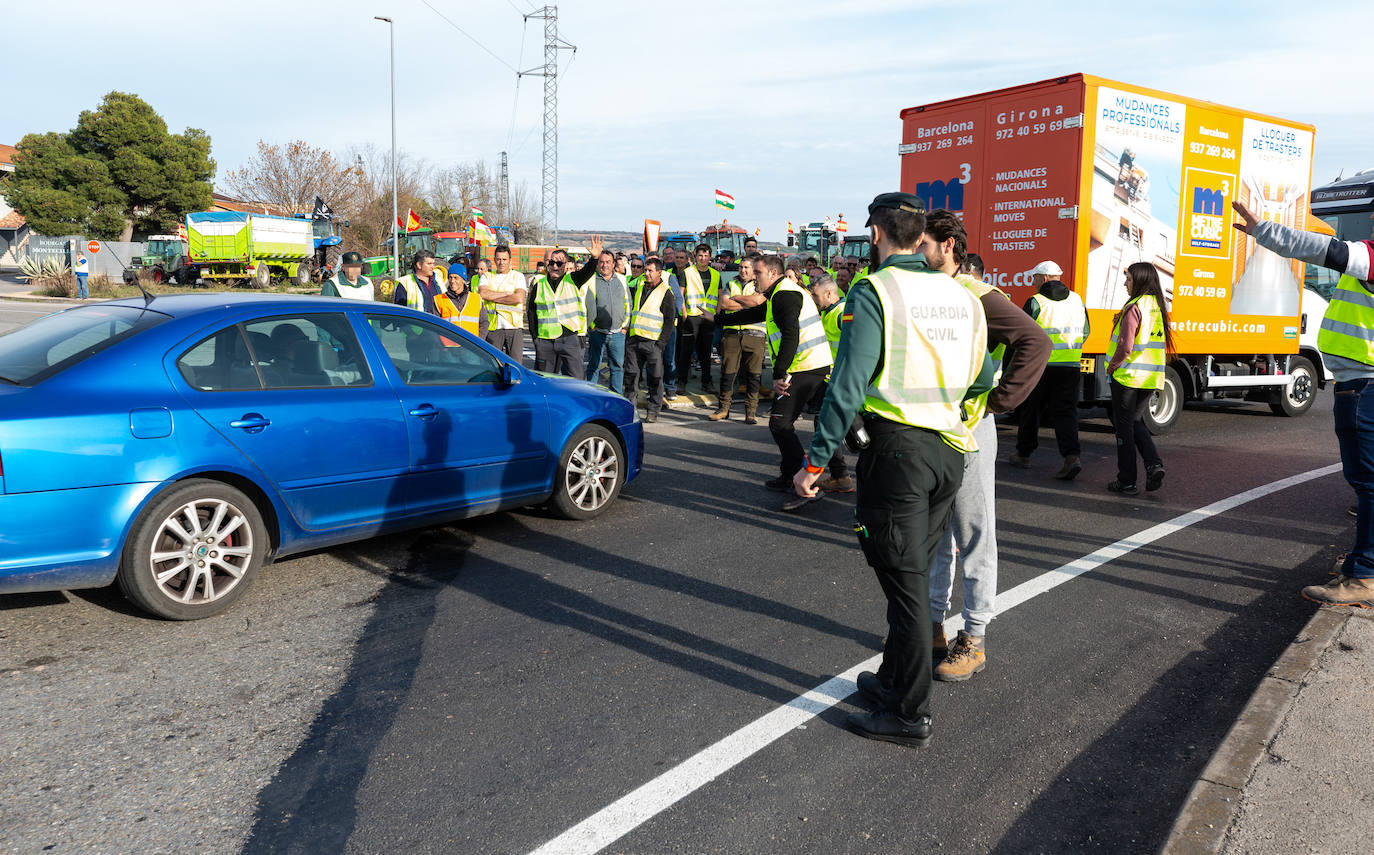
point(504, 191)
point(395, 235)
point(548, 200)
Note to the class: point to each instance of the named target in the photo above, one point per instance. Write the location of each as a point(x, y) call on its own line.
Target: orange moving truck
point(1096, 175)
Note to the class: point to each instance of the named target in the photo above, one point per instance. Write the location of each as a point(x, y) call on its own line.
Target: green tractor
point(378, 267)
point(163, 260)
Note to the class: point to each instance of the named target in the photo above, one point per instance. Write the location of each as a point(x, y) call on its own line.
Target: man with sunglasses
point(557, 314)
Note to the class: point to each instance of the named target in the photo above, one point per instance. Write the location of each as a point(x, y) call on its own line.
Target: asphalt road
point(17, 313)
point(484, 687)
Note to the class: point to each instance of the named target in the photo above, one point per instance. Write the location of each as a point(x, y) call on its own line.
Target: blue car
point(176, 445)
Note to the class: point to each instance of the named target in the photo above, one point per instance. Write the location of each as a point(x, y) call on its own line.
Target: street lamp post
point(395, 215)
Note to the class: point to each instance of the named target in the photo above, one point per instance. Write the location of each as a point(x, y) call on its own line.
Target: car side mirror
point(510, 375)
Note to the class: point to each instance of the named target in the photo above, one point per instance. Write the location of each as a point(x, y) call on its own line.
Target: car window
point(306, 352)
point(427, 354)
point(50, 345)
point(221, 362)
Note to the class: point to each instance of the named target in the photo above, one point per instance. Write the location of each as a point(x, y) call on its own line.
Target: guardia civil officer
point(913, 347)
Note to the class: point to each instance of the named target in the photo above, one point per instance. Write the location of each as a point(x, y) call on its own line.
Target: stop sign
point(93, 247)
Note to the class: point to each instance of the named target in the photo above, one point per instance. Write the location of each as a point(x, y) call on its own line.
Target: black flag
point(322, 211)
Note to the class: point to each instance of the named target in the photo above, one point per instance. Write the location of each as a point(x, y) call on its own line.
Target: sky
point(791, 107)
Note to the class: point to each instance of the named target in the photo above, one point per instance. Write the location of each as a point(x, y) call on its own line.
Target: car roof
point(189, 305)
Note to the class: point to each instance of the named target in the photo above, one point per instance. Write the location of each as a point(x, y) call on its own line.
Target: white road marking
point(622, 816)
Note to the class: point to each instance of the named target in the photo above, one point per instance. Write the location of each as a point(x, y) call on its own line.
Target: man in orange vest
point(459, 305)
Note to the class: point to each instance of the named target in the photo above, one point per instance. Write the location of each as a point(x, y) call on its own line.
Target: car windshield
point(50, 345)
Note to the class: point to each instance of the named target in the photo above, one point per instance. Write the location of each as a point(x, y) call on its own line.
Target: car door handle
point(425, 411)
point(250, 423)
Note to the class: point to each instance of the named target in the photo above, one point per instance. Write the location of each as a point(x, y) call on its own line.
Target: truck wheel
point(302, 277)
point(262, 275)
point(1165, 404)
point(1298, 396)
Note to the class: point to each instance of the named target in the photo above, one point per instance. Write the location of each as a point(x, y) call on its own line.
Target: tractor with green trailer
point(238, 247)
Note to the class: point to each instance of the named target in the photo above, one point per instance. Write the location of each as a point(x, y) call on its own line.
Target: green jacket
point(859, 360)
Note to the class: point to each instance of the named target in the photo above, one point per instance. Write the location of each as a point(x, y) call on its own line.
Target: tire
point(302, 277)
point(1165, 404)
point(262, 276)
point(590, 473)
point(186, 276)
point(198, 579)
point(1298, 396)
point(332, 256)
point(158, 276)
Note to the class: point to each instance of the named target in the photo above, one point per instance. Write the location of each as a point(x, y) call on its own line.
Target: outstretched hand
point(596, 245)
point(1247, 218)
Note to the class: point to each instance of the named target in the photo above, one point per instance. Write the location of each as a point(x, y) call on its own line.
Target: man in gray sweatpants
point(972, 532)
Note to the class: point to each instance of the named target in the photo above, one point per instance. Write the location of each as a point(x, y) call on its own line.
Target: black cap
point(351, 257)
point(897, 201)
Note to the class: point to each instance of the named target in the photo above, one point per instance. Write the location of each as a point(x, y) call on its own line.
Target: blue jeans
point(612, 344)
point(670, 364)
point(81, 290)
point(1354, 411)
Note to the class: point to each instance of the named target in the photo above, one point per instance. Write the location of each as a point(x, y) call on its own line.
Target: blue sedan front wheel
point(591, 471)
point(194, 551)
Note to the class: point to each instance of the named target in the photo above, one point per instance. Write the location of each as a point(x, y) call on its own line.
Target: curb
point(1215, 800)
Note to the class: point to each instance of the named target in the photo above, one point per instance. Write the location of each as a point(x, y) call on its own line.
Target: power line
point(470, 36)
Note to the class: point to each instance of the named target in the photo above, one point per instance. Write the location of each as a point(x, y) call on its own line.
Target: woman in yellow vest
point(1140, 332)
point(460, 306)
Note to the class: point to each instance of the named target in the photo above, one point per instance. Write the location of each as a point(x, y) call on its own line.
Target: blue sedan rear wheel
point(194, 551)
point(591, 471)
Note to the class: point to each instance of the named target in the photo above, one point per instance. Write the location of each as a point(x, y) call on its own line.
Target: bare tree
point(370, 216)
point(292, 175)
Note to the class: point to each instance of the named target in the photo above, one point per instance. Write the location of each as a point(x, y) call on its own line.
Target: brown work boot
point(751, 416)
point(1019, 462)
point(722, 413)
point(939, 645)
point(831, 484)
point(966, 657)
point(1342, 591)
point(1070, 469)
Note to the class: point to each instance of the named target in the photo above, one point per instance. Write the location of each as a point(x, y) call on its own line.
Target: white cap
point(1047, 268)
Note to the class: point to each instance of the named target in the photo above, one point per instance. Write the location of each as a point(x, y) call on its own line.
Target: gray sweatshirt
point(608, 303)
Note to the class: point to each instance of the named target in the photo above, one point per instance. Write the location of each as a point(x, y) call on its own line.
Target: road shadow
point(1122, 792)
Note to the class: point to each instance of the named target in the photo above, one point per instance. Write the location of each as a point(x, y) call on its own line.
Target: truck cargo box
point(1095, 175)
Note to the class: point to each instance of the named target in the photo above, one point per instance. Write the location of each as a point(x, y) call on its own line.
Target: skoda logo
point(202, 551)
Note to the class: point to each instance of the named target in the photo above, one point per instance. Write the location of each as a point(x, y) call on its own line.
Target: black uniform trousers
point(694, 338)
point(908, 478)
point(1059, 385)
point(644, 356)
point(562, 355)
point(783, 419)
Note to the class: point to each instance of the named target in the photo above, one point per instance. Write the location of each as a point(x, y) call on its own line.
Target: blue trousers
point(670, 363)
point(1354, 415)
point(612, 345)
point(81, 290)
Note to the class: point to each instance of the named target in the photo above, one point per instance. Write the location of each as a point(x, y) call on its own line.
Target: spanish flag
point(789, 228)
point(412, 221)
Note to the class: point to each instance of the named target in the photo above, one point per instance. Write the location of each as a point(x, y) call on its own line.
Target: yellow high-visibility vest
point(976, 408)
point(1348, 325)
point(1144, 366)
point(812, 349)
point(555, 308)
point(646, 320)
point(1065, 321)
point(935, 338)
point(697, 296)
point(736, 288)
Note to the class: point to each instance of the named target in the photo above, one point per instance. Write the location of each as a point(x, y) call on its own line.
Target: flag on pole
point(841, 226)
point(478, 230)
point(725, 200)
point(758, 232)
point(412, 221)
point(789, 228)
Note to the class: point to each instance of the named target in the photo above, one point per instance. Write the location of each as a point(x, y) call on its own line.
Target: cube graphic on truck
point(1096, 175)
